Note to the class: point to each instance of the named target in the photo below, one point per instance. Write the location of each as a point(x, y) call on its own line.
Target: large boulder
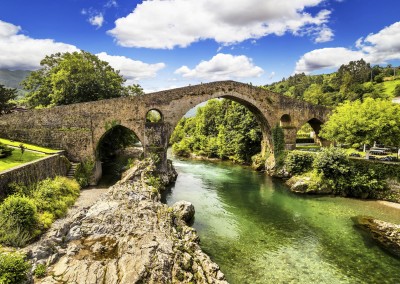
point(387, 235)
point(184, 210)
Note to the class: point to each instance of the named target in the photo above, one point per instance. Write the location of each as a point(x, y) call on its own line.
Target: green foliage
point(40, 271)
point(332, 169)
point(298, 162)
point(278, 141)
point(68, 78)
point(153, 116)
point(133, 90)
point(351, 82)
point(332, 163)
point(56, 195)
point(84, 172)
point(258, 162)
point(396, 92)
point(364, 123)
point(5, 151)
point(7, 97)
point(221, 129)
point(13, 268)
point(32, 209)
point(18, 220)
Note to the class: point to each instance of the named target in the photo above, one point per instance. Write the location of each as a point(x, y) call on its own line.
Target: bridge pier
point(290, 137)
point(155, 144)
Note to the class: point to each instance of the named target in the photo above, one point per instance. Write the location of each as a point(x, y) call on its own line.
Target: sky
point(163, 44)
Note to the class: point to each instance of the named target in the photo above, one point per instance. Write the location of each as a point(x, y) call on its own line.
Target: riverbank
point(127, 236)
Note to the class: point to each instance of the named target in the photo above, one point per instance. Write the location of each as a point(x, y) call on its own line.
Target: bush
point(332, 162)
point(5, 151)
point(13, 268)
point(21, 210)
point(258, 162)
point(183, 148)
point(40, 271)
point(297, 162)
point(365, 184)
point(84, 172)
point(55, 195)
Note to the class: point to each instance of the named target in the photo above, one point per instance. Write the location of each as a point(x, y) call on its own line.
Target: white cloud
point(97, 20)
point(222, 67)
point(169, 23)
point(326, 58)
point(375, 48)
point(132, 70)
point(324, 35)
point(111, 3)
point(18, 51)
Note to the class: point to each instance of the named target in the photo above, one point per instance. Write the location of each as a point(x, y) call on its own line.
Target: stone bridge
point(79, 128)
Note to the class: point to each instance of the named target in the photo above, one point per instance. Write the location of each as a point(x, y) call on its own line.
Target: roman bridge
point(79, 128)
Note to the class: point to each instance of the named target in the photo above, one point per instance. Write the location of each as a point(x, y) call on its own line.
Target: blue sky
point(173, 43)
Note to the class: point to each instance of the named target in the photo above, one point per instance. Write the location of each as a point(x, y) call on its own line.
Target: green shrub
point(55, 195)
point(21, 210)
point(84, 172)
point(332, 162)
point(365, 184)
point(298, 162)
point(5, 151)
point(278, 141)
point(183, 148)
point(40, 271)
point(13, 268)
point(18, 189)
point(258, 162)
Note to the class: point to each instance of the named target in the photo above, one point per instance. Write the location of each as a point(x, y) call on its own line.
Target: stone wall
point(47, 167)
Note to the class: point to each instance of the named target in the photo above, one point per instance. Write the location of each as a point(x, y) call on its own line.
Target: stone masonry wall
point(47, 167)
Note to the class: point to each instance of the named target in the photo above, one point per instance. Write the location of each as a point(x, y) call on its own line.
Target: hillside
point(11, 79)
point(354, 81)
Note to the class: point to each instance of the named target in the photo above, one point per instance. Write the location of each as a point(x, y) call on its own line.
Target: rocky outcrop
point(127, 236)
point(304, 184)
point(387, 235)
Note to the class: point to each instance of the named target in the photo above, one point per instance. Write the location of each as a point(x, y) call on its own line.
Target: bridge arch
point(240, 98)
point(108, 148)
point(316, 124)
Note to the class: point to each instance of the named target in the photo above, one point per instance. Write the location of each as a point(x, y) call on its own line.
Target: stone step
point(72, 170)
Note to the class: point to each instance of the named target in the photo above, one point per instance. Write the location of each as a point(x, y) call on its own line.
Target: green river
point(258, 232)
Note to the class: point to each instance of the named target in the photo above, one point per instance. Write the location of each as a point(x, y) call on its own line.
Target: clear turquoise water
point(258, 232)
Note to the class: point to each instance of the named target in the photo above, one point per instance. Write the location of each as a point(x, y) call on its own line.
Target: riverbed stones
point(127, 236)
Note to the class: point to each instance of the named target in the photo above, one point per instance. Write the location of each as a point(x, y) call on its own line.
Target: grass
point(390, 84)
point(29, 146)
point(16, 159)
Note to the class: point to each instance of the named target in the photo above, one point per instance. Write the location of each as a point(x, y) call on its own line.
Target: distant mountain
point(11, 79)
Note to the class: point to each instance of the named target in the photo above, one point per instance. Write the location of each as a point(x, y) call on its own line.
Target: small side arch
point(285, 121)
point(154, 116)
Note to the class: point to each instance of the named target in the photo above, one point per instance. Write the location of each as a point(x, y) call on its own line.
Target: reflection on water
point(258, 232)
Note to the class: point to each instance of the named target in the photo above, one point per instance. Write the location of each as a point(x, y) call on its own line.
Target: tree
point(396, 91)
point(364, 122)
point(6, 99)
point(133, 90)
point(68, 78)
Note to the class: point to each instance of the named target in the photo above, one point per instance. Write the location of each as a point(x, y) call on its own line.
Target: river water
point(258, 232)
